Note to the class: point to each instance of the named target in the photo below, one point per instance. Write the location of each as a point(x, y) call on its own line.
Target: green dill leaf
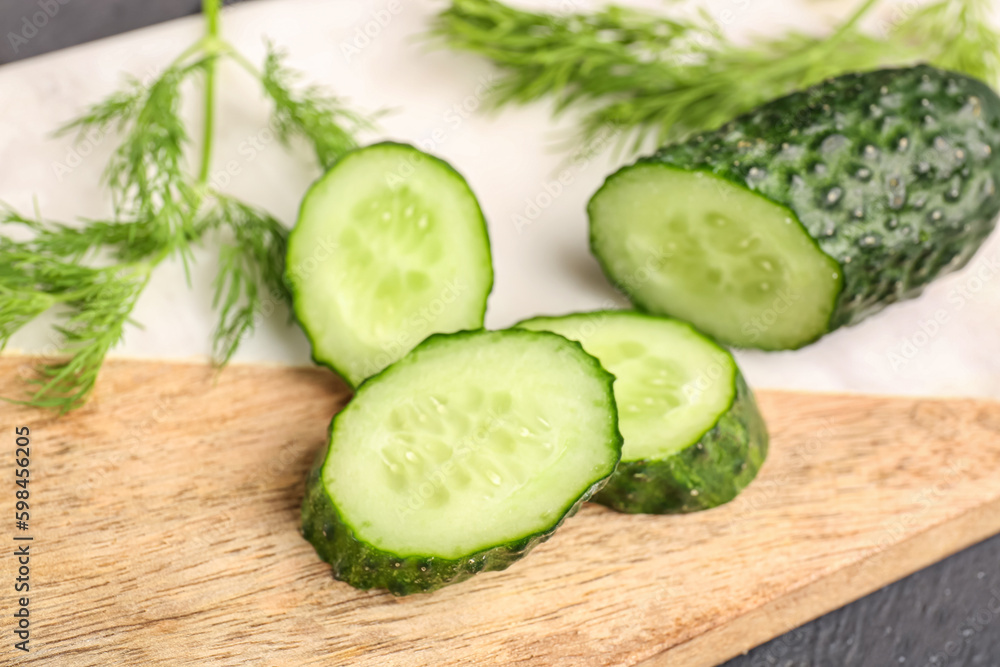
point(651, 76)
point(91, 239)
point(250, 281)
point(955, 35)
point(146, 174)
point(321, 119)
point(109, 114)
point(19, 306)
point(93, 325)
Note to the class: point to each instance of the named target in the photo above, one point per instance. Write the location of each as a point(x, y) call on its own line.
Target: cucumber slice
point(811, 212)
point(390, 246)
point(460, 458)
point(693, 436)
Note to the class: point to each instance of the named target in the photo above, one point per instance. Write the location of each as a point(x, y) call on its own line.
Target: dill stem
point(143, 267)
point(187, 53)
point(242, 61)
point(851, 22)
point(211, 10)
point(818, 52)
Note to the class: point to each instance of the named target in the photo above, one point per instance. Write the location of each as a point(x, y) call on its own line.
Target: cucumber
point(812, 212)
point(693, 436)
point(390, 246)
point(460, 458)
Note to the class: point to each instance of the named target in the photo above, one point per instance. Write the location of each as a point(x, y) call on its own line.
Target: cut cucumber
point(390, 246)
point(693, 437)
point(812, 212)
point(715, 254)
point(460, 458)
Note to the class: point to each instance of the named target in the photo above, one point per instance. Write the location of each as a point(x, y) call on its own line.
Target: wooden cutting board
point(164, 518)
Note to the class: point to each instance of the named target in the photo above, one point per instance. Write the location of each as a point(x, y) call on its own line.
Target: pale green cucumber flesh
point(691, 245)
point(693, 436)
point(461, 457)
point(672, 383)
point(390, 246)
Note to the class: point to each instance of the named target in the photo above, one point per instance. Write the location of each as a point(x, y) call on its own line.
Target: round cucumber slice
point(734, 263)
point(693, 436)
point(390, 246)
point(460, 458)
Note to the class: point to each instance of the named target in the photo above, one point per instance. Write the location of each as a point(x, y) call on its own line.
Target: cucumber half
point(693, 436)
point(390, 246)
point(460, 458)
point(811, 212)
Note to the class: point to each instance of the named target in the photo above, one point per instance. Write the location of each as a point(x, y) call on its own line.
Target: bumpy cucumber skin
point(893, 173)
point(717, 467)
point(706, 474)
point(364, 566)
point(297, 300)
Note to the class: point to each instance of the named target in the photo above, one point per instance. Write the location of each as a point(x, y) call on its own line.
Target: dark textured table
point(947, 615)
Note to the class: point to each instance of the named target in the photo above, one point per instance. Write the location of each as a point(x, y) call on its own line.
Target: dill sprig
point(92, 323)
point(96, 305)
point(146, 173)
point(311, 113)
point(93, 272)
point(653, 76)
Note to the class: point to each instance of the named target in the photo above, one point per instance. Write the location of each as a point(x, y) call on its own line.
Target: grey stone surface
point(33, 27)
point(945, 616)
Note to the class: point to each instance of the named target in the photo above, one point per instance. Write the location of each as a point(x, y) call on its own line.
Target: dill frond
point(96, 305)
point(94, 323)
point(652, 76)
point(322, 120)
point(250, 280)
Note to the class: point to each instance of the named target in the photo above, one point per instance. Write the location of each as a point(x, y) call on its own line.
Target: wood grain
point(165, 517)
